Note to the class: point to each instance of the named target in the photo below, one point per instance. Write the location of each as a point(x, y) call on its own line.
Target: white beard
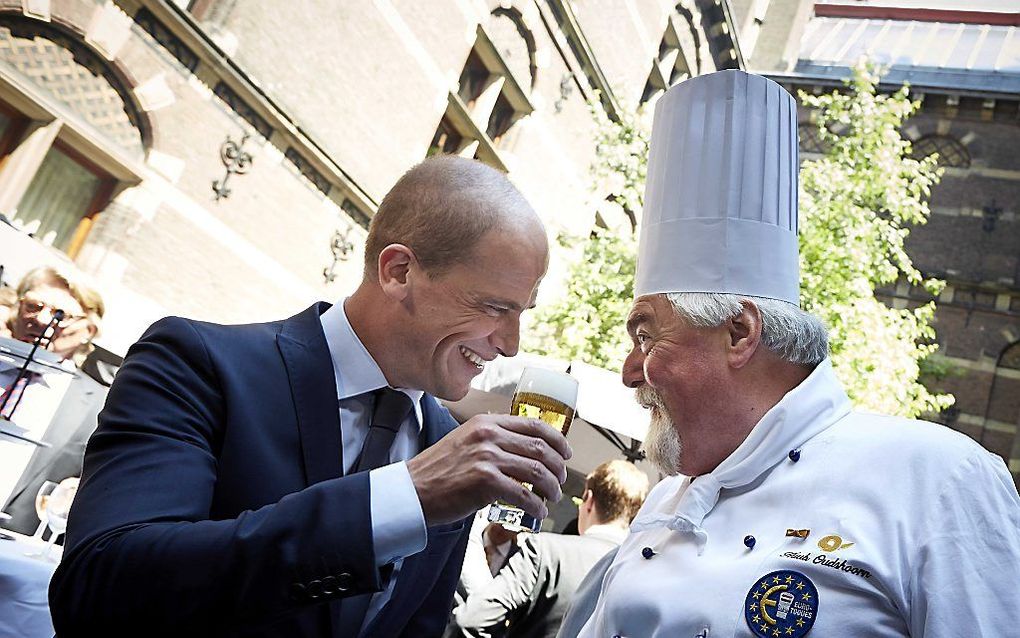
point(662, 444)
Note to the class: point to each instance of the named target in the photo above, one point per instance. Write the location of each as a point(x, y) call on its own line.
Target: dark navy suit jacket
point(212, 502)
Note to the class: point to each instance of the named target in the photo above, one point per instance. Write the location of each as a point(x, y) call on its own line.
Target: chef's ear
point(744, 334)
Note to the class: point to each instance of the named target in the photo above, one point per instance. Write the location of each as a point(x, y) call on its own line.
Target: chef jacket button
point(648, 552)
point(749, 541)
point(794, 455)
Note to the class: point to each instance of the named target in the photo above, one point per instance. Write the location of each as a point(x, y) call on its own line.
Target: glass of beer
point(550, 397)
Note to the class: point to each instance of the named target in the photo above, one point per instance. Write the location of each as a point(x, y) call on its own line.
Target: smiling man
point(298, 478)
point(785, 511)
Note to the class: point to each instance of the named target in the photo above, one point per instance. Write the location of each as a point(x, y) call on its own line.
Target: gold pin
point(798, 533)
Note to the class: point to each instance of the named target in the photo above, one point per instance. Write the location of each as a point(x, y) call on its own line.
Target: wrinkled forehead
point(649, 310)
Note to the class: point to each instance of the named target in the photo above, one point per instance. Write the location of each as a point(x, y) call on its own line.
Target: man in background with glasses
point(62, 409)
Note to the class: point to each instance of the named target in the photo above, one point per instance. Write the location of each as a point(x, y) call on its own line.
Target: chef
point(785, 513)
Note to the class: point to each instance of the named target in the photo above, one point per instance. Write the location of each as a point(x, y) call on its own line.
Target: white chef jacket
point(912, 529)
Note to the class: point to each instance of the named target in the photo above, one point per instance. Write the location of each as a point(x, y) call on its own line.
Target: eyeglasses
point(32, 307)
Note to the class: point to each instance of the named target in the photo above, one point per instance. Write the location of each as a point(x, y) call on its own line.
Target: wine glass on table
point(41, 498)
point(58, 507)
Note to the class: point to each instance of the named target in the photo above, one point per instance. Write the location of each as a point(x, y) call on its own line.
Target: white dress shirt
point(398, 524)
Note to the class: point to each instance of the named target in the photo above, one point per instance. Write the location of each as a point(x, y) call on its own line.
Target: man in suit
point(39, 292)
point(298, 478)
point(529, 596)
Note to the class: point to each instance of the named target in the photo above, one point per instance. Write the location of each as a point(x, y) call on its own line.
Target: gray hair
point(789, 332)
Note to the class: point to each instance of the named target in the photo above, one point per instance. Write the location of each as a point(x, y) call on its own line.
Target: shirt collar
point(355, 370)
point(612, 533)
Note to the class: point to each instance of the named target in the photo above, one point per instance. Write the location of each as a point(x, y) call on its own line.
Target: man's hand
point(486, 459)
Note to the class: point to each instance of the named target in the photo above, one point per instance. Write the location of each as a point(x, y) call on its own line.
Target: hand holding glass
point(547, 396)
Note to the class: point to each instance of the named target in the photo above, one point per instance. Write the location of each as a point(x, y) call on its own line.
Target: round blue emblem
point(781, 604)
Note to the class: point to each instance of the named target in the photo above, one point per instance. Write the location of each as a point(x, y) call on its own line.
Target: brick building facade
point(964, 67)
point(136, 106)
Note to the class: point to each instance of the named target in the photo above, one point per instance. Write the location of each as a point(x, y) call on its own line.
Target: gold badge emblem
point(832, 542)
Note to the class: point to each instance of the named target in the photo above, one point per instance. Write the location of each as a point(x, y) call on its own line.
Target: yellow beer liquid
point(538, 406)
point(558, 415)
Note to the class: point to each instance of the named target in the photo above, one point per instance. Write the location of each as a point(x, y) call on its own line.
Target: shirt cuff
point(398, 524)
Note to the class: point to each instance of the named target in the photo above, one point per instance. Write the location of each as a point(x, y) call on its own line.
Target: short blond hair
point(618, 488)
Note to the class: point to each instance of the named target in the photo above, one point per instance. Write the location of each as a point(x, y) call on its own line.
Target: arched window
point(678, 57)
point(516, 45)
point(52, 184)
point(73, 74)
point(492, 92)
point(951, 153)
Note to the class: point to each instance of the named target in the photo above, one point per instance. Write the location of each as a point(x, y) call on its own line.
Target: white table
point(24, 581)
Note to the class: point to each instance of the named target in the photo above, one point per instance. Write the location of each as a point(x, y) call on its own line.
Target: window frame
point(26, 105)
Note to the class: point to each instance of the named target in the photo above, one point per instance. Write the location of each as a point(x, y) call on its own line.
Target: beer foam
point(555, 385)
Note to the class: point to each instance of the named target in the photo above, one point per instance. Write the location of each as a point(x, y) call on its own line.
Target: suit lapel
point(313, 388)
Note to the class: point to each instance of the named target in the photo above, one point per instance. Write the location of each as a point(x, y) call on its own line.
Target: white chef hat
point(720, 211)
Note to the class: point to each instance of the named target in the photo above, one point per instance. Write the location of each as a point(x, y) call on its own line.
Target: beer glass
point(547, 396)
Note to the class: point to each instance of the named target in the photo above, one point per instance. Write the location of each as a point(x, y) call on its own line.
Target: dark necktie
point(391, 409)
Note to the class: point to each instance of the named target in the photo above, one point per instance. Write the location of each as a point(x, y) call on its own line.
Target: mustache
point(648, 397)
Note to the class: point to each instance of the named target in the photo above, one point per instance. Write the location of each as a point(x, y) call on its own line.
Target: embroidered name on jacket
point(840, 564)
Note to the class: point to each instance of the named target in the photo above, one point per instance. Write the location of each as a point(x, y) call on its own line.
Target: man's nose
point(633, 372)
point(506, 339)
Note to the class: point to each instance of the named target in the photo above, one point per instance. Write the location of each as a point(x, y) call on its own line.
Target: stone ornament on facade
point(236, 160)
point(109, 30)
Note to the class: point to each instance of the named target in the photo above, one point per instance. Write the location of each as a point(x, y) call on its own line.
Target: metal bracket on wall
point(236, 160)
point(341, 248)
point(566, 89)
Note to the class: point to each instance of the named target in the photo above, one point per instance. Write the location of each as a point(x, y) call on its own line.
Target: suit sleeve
point(142, 555)
point(486, 612)
point(967, 565)
point(433, 614)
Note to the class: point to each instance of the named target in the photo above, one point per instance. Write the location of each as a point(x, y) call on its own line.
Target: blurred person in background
point(528, 597)
point(41, 292)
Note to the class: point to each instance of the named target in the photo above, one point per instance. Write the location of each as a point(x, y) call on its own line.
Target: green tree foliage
point(586, 324)
point(857, 205)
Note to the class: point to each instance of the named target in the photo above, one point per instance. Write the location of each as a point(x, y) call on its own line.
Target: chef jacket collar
point(808, 409)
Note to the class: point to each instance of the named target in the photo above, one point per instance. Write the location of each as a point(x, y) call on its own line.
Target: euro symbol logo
point(832, 543)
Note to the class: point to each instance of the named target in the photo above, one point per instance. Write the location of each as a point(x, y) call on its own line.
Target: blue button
point(648, 552)
point(749, 541)
point(794, 455)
